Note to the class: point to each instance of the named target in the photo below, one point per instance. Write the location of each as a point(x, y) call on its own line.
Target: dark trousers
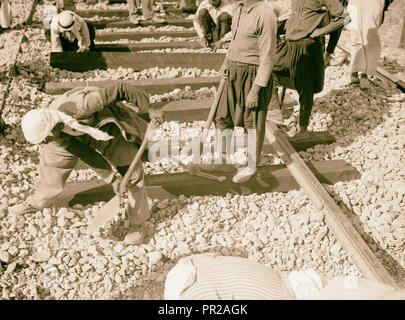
point(299, 65)
point(214, 32)
point(73, 46)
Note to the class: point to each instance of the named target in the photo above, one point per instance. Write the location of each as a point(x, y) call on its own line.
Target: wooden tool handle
point(138, 156)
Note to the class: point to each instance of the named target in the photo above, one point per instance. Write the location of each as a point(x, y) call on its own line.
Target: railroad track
point(294, 174)
point(13, 71)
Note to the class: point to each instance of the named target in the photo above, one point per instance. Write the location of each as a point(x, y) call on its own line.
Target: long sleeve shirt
point(225, 6)
point(78, 31)
point(131, 126)
point(307, 15)
point(254, 36)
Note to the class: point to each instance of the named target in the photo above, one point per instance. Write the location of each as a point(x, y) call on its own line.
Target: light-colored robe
point(366, 46)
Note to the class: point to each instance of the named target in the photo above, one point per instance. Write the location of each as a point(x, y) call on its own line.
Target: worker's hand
point(156, 115)
point(252, 100)
point(224, 71)
point(116, 186)
point(203, 42)
point(83, 49)
point(216, 45)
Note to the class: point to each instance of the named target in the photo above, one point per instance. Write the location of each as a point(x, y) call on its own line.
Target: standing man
point(247, 89)
point(367, 17)
point(90, 124)
point(300, 58)
point(213, 21)
point(147, 12)
point(69, 32)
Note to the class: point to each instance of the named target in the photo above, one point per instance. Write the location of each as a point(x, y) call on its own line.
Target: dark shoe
point(354, 77)
point(302, 134)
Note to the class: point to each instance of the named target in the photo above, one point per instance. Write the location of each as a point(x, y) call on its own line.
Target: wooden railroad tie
point(337, 221)
point(195, 110)
point(125, 23)
point(137, 36)
point(135, 47)
point(273, 178)
point(74, 61)
point(120, 13)
point(151, 86)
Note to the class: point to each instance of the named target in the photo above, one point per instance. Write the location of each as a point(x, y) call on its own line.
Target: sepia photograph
point(202, 150)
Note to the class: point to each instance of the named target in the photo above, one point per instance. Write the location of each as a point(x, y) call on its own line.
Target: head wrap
point(38, 124)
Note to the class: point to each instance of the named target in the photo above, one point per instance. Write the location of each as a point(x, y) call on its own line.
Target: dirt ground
point(393, 57)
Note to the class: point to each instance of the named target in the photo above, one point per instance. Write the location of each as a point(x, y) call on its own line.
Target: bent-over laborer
point(247, 90)
point(90, 124)
point(212, 22)
point(213, 277)
point(69, 32)
point(300, 58)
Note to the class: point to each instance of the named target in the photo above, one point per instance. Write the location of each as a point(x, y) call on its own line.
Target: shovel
point(111, 207)
point(190, 168)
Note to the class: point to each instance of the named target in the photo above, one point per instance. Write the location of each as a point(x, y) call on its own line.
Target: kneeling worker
point(89, 123)
point(69, 32)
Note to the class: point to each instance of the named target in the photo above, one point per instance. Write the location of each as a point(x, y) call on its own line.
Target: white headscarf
point(38, 124)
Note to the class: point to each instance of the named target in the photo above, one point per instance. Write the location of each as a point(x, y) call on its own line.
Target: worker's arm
point(55, 41)
point(124, 91)
point(340, 18)
point(90, 157)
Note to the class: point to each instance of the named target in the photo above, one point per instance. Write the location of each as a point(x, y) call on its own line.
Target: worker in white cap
point(210, 276)
point(90, 124)
point(69, 32)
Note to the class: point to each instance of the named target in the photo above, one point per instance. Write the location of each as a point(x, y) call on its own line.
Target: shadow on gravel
point(358, 115)
point(390, 264)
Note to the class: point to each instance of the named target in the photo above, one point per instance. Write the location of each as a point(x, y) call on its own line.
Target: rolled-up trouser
point(56, 164)
point(5, 14)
